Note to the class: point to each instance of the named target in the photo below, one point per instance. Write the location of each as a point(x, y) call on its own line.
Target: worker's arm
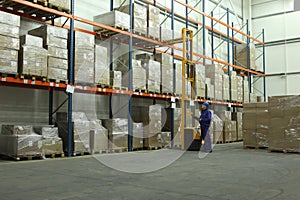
point(206, 118)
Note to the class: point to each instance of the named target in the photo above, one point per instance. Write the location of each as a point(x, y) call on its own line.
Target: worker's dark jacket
point(205, 119)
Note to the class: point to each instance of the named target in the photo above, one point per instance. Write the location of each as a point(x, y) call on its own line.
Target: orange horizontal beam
point(219, 21)
point(192, 20)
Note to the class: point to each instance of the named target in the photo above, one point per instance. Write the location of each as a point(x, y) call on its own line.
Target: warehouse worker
point(205, 120)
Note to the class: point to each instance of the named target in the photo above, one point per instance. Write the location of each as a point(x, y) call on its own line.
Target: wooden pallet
point(110, 33)
point(153, 38)
point(22, 157)
point(55, 155)
point(33, 77)
point(103, 86)
point(254, 147)
point(138, 149)
point(81, 153)
point(120, 88)
point(139, 33)
point(58, 81)
point(272, 150)
point(153, 148)
point(12, 75)
point(100, 152)
point(141, 90)
point(118, 150)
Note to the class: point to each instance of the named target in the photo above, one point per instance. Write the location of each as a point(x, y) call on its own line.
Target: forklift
point(190, 136)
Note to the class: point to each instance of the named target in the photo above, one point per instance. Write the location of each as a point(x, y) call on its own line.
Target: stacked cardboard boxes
point(241, 55)
point(153, 21)
point(256, 125)
point(214, 72)
point(102, 73)
point(116, 79)
point(284, 126)
point(234, 87)
point(139, 17)
point(88, 135)
point(200, 81)
point(117, 132)
point(178, 80)
point(56, 41)
point(152, 132)
point(33, 58)
point(246, 90)
point(226, 92)
point(240, 92)
point(210, 94)
point(238, 117)
point(166, 69)
point(138, 134)
point(9, 42)
point(84, 58)
point(218, 126)
point(114, 18)
point(253, 98)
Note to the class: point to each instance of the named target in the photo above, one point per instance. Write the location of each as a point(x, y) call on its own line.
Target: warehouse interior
point(103, 99)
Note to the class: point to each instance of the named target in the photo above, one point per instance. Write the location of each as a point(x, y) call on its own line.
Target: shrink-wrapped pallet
point(166, 69)
point(240, 91)
point(116, 79)
point(48, 32)
point(9, 42)
point(153, 21)
point(226, 91)
point(214, 72)
point(16, 129)
point(233, 76)
point(84, 40)
point(178, 80)
point(246, 91)
point(57, 74)
point(102, 73)
point(138, 135)
point(117, 132)
point(238, 117)
point(218, 126)
point(241, 55)
point(57, 63)
point(8, 54)
point(114, 18)
point(200, 81)
point(84, 65)
point(30, 40)
point(33, 61)
point(57, 52)
point(8, 66)
point(139, 14)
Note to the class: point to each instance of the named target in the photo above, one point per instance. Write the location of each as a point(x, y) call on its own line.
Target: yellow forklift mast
point(190, 136)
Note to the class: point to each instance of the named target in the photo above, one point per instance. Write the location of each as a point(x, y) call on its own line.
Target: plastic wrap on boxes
point(57, 63)
point(152, 75)
point(240, 93)
point(8, 66)
point(84, 40)
point(218, 126)
point(167, 78)
point(16, 129)
point(165, 138)
point(102, 73)
point(241, 55)
point(57, 52)
point(234, 95)
point(21, 145)
point(138, 134)
point(153, 21)
point(253, 98)
point(114, 18)
point(57, 74)
point(214, 72)
point(178, 80)
point(47, 30)
point(7, 18)
point(226, 115)
point(166, 35)
point(9, 42)
point(138, 76)
point(139, 17)
point(84, 65)
point(9, 30)
point(226, 87)
point(229, 131)
point(116, 79)
point(7, 54)
point(246, 91)
point(30, 40)
point(238, 117)
point(209, 89)
point(117, 131)
point(62, 4)
point(33, 61)
point(200, 81)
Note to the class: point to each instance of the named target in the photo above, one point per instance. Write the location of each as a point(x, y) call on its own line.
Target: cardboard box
point(30, 40)
point(58, 63)
point(62, 4)
point(116, 79)
point(46, 31)
point(153, 21)
point(114, 18)
point(102, 72)
point(84, 40)
point(84, 66)
point(9, 42)
point(10, 19)
point(9, 30)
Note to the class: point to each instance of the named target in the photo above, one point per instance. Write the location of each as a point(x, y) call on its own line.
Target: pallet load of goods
point(26, 141)
point(273, 125)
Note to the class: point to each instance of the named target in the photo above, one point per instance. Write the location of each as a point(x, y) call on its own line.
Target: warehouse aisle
point(228, 173)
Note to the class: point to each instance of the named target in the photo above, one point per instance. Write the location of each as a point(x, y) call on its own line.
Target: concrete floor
point(228, 173)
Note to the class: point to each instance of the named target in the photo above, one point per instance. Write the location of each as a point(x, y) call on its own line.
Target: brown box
point(250, 139)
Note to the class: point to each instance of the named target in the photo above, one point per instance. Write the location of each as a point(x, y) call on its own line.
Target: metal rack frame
point(17, 82)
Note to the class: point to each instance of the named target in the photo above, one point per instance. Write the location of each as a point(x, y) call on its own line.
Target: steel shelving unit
point(131, 38)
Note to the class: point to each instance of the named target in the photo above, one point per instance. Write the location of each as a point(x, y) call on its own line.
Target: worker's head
point(205, 105)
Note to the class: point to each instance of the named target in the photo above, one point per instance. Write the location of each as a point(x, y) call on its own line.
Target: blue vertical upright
point(232, 45)
point(71, 80)
point(174, 76)
point(130, 79)
point(248, 58)
point(111, 57)
point(264, 64)
point(228, 54)
point(212, 37)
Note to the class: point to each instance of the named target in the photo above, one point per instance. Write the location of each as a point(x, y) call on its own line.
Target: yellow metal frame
point(187, 58)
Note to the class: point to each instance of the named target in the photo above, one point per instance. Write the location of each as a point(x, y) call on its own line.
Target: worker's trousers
point(206, 147)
